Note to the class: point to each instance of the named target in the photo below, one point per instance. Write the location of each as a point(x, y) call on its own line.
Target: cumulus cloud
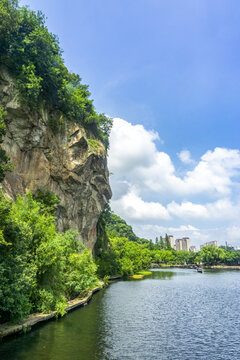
point(233, 233)
point(131, 146)
point(222, 209)
point(132, 207)
point(185, 157)
point(147, 189)
point(134, 156)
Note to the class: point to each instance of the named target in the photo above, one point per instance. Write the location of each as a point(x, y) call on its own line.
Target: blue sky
point(173, 67)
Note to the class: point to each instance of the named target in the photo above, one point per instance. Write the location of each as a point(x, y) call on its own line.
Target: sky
point(167, 72)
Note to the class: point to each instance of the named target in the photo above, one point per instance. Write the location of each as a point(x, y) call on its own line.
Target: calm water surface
point(174, 314)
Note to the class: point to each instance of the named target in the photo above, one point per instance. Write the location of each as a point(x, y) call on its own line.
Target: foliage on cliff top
point(40, 269)
point(33, 55)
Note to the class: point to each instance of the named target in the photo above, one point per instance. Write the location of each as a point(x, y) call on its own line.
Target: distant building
point(178, 244)
point(210, 243)
point(186, 243)
point(193, 248)
point(183, 244)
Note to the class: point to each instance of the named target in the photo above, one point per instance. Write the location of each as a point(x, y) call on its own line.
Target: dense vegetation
point(40, 269)
point(119, 251)
point(34, 58)
point(117, 227)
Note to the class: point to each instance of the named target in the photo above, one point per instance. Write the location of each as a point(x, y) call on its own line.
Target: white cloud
point(222, 209)
point(132, 207)
point(133, 156)
point(131, 146)
point(233, 233)
point(185, 157)
point(183, 228)
point(141, 173)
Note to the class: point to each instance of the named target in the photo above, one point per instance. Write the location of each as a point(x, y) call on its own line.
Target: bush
point(40, 269)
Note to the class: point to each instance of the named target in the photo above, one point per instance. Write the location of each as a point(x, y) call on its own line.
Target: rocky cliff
point(63, 161)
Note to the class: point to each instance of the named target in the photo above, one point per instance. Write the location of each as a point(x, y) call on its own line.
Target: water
point(176, 314)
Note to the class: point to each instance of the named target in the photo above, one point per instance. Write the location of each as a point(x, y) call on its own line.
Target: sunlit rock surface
point(63, 162)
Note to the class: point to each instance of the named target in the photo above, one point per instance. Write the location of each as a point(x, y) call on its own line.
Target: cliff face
point(65, 162)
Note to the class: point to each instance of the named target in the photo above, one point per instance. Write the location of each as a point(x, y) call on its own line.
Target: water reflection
point(162, 274)
point(75, 337)
point(193, 316)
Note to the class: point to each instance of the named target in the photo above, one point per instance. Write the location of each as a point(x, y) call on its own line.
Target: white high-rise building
point(178, 244)
point(183, 244)
point(186, 243)
point(210, 243)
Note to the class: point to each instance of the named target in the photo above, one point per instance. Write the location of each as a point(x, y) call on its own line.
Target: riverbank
point(25, 325)
point(229, 267)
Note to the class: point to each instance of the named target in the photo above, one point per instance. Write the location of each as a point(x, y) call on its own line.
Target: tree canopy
point(34, 57)
point(40, 269)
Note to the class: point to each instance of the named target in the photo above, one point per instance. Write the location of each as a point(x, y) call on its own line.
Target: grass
point(140, 274)
point(144, 272)
point(95, 144)
point(136, 277)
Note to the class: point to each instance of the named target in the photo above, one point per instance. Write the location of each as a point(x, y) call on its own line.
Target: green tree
point(47, 200)
point(40, 269)
point(167, 243)
point(161, 243)
point(211, 255)
point(33, 56)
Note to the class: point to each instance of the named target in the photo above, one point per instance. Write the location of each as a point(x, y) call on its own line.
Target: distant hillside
point(117, 227)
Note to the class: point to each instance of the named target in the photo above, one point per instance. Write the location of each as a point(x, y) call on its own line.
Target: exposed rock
point(63, 162)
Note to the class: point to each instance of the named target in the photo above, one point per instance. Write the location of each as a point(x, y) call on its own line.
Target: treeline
point(34, 58)
point(119, 251)
point(209, 255)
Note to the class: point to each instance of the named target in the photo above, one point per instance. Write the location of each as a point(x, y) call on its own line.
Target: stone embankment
point(26, 324)
point(227, 267)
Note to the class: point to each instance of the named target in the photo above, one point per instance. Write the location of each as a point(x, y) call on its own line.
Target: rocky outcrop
point(65, 162)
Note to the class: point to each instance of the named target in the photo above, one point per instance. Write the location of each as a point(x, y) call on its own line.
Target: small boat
point(199, 270)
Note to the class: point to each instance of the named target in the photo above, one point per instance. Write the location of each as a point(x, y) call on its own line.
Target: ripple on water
point(175, 314)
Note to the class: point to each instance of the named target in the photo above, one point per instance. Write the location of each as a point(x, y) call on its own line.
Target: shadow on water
point(144, 320)
point(162, 275)
point(75, 337)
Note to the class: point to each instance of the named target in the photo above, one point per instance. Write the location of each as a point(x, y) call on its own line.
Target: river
point(174, 314)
